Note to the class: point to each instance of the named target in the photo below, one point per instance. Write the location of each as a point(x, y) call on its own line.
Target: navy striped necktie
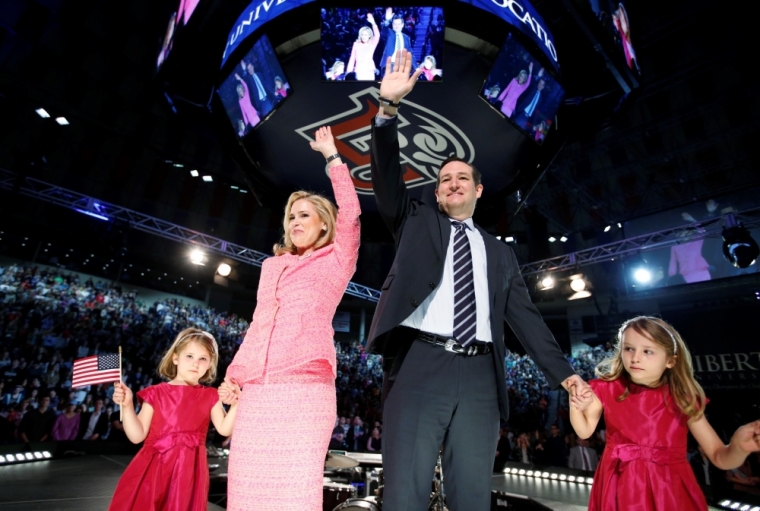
point(465, 317)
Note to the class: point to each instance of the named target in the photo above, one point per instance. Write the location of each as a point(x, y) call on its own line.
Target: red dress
point(171, 471)
point(644, 465)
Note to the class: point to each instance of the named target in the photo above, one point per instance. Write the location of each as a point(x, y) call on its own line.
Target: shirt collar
point(467, 221)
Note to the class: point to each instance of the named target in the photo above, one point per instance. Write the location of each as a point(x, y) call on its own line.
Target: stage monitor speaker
point(505, 501)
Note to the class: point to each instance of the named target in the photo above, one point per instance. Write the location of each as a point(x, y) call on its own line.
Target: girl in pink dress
point(362, 54)
point(250, 115)
point(651, 401)
point(286, 364)
point(429, 69)
point(517, 86)
point(171, 472)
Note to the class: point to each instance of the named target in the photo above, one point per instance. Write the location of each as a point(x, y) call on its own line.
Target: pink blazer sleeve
point(375, 37)
point(347, 227)
point(352, 59)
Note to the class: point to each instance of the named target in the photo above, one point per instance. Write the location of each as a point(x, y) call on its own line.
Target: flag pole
point(121, 405)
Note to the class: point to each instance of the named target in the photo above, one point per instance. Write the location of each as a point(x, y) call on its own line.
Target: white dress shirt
point(436, 313)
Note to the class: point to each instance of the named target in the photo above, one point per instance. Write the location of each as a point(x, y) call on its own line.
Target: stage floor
point(87, 484)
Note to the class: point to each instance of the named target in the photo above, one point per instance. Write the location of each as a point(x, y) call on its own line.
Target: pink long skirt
point(280, 439)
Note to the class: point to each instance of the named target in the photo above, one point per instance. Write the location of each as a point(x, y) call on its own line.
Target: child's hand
point(583, 400)
point(229, 392)
point(747, 437)
point(122, 395)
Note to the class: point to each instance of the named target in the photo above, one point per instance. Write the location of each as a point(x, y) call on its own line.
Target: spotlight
point(554, 476)
point(243, 191)
point(19, 457)
point(224, 269)
point(577, 284)
point(207, 179)
point(194, 173)
point(521, 471)
point(620, 226)
point(233, 187)
point(563, 239)
point(529, 473)
point(42, 113)
point(547, 282)
point(562, 477)
point(509, 239)
point(552, 239)
point(607, 229)
point(62, 121)
point(545, 475)
point(2, 458)
point(196, 257)
point(38, 455)
point(642, 275)
point(739, 248)
point(571, 479)
point(46, 454)
point(498, 238)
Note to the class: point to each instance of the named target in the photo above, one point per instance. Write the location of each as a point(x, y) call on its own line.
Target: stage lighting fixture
point(552, 239)
point(498, 238)
point(234, 187)
point(545, 475)
point(509, 239)
point(563, 239)
point(196, 257)
point(547, 282)
point(642, 275)
point(224, 270)
point(521, 472)
point(62, 121)
point(243, 191)
point(739, 248)
point(194, 173)
point(562, 477)
point(572, 479)
point(577, 284)
point(208, 179)
point(607, 229)
point(2, 458)
point(42, 113)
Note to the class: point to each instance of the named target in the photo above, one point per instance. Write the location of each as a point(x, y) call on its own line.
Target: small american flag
point(96, 369)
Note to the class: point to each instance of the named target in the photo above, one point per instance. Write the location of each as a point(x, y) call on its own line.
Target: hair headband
point(649, 318)
point(203, 333)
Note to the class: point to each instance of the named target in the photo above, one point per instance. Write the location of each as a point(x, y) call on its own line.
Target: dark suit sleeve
point(387, 177)
point(526, 322)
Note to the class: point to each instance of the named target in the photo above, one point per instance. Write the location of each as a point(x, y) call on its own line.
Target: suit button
point(432, 285)
point(415, 303)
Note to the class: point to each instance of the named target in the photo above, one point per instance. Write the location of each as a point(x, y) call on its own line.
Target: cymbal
point(340, 461)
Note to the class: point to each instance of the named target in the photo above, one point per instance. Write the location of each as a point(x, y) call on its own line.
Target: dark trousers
point(440, 399)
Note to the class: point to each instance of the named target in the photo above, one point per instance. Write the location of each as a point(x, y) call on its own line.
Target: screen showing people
point(178, 19)
point(613, 16)
point(521, 89)
point(356, 42)
point(695, 257)
point(254, 88)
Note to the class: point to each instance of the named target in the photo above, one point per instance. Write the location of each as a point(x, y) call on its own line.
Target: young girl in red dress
point(171, 471)
point(650, 401)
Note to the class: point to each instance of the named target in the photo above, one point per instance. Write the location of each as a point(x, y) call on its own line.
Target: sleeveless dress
point(170, 472)
point(644, 465)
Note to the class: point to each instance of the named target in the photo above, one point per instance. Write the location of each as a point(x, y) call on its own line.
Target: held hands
point(229, 392)
point(324, 142)
point(576, 387)
point(583, 400)
point(122, 395)
point(397, 83)
point(747, 437)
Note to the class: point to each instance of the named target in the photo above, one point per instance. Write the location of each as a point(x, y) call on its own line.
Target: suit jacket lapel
point(491, 263)
point(442, 232)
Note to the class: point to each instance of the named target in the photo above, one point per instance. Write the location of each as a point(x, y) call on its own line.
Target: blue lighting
point(94, 215)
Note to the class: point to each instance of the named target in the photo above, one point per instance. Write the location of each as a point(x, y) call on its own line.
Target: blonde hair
point(364, 29)
point(686, 391)
point(327, 213)
point(168, 369)
point(432, 59)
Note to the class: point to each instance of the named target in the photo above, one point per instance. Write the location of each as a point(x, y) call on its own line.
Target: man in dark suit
point(532, 104)
point(439, 325)
point(259, 89)
point(395, 40)
point(93, 425)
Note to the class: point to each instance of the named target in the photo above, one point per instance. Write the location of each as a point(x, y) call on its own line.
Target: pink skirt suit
point(287, 368)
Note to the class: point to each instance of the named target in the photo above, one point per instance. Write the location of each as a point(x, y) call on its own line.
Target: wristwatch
point(388, 102)
point(332, 157)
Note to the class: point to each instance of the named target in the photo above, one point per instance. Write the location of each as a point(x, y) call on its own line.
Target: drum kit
point(340, 496)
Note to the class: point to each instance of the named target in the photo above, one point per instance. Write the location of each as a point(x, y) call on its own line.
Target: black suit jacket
point(421, 235)
point(390, 48)
point(526, 98)
point(101, 426)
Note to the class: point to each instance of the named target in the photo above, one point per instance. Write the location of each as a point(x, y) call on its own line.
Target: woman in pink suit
point(362, 54)
point(286, 364)
point(517, 86)
point(250, 115)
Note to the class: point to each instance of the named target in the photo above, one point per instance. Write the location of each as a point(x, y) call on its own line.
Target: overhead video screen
point(613, 15)
point(254, 88)
point(522, 90)
point(356, 42)
point(177, 20)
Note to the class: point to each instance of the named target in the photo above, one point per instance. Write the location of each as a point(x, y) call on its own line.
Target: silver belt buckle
point(450, 346)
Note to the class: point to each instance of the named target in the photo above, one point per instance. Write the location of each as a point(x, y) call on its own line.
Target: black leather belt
point(451, 345)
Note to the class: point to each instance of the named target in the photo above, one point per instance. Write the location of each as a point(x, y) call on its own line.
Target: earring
point(324, 227)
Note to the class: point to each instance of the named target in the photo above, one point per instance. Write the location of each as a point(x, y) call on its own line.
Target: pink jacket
point(508, 96)
point(362, 57)
point(297, 298)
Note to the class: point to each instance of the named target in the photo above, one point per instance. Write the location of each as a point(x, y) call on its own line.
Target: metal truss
point(91, 206)
point(665, 238)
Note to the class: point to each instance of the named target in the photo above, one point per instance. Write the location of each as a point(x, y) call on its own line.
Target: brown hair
point(327, 213)
point(686, 391)
point(168, 369)
point(476, 176)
